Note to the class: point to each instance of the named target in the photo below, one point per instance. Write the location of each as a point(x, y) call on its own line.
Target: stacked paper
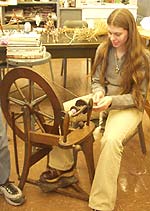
point(25, 46)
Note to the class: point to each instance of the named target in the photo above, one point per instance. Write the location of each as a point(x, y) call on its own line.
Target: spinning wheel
point(16, 95)
point(35, 114)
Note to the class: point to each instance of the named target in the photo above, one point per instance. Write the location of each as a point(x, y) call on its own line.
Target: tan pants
point(63, 159)
point(120, 125)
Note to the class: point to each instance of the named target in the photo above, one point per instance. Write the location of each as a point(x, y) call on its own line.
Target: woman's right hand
point(97, 97)
point(103, 104)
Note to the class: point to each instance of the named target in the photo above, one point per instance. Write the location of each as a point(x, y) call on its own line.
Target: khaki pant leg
point(60, 158)
point(120, 125)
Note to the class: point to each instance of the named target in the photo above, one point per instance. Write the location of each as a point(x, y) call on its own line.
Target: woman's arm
point(117, 101)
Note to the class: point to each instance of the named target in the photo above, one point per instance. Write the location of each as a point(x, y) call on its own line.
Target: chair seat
point(139, 131)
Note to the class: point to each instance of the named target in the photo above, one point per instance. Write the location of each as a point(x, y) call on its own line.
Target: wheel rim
point(22, 96)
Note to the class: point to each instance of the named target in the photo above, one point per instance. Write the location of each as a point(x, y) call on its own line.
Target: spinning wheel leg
point(87, 148)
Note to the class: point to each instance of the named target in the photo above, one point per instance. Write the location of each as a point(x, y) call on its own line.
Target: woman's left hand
point(103, 104)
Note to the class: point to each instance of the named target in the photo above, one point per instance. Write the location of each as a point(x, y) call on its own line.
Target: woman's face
point(118, 36)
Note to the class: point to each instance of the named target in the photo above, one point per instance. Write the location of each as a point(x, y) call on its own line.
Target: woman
point(119, 87)
point(122, 68)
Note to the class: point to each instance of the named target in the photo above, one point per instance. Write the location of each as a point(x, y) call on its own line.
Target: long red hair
point(136, 57)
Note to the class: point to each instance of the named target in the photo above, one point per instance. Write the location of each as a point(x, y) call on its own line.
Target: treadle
point(61, 183)
point(74, 191)
point(65, 186)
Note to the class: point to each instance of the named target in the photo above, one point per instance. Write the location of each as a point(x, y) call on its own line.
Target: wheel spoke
point(39, 100)
point(20, 92)
point(16, 101)
point(48, 116)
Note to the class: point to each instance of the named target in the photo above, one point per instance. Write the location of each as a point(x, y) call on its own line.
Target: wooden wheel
point(21, 87)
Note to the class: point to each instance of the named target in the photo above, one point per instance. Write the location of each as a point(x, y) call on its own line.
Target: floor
point(134, 178)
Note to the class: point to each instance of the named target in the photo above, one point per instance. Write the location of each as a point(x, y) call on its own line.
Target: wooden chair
point(141, 138)
point(138, 131)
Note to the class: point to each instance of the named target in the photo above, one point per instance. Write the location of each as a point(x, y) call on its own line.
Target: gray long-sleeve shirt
point(113, 84)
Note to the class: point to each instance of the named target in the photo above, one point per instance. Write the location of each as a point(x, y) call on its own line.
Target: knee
point(113, 143)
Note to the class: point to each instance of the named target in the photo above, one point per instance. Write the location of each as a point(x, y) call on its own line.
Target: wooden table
point(65, 49)
point(72, 51)
point(61, 50)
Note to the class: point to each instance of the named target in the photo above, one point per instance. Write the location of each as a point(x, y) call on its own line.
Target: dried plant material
point(100, 27)
point(80, 34)
point(85, 34)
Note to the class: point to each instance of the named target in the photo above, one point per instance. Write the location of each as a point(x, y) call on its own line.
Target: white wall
point(8, 2)
point(12, 2)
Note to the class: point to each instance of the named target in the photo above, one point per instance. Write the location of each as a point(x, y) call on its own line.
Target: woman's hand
point(97, 97)
point(103, 104)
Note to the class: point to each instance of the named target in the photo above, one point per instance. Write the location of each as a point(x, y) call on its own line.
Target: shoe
point(96, 210)
point(12, 194)
point(53, 175)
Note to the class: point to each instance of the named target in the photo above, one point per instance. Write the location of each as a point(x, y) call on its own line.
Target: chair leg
point(142, 139)
point(64, 70)
point(62, 67)
point(88, 63)
point(51, 69)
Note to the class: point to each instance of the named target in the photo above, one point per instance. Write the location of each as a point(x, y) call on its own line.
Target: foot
point(53, 175)
point(12, 194)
